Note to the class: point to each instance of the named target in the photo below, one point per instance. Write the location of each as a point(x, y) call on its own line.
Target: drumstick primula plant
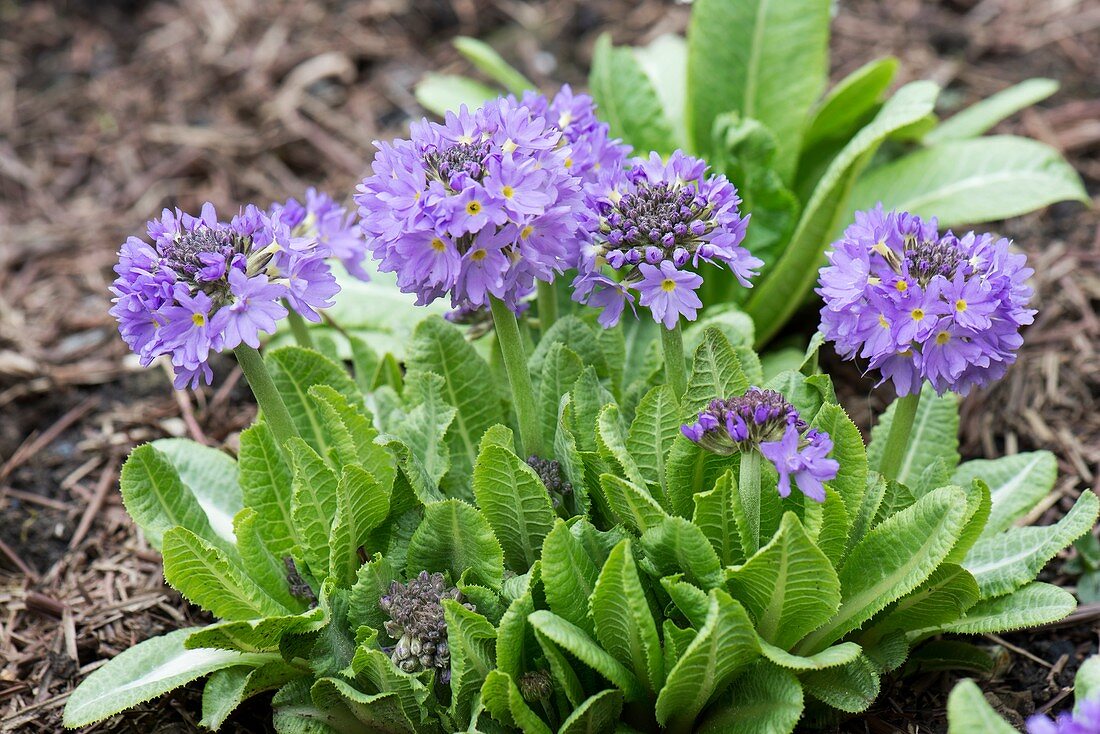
point(568, 527)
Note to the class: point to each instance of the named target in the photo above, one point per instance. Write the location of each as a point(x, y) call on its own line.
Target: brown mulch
point(110, 110)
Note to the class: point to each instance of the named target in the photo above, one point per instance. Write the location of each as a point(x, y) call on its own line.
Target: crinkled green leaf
point(313, 506)
point(472, 643)
point(362, 504)
point(515, 503)
point(560, 371)
point(294, 371)
point(1016, 484)
point(764, 700)
point(852, 687)
point(569, 576)
point(632, 505)
point(830, 657)
point(674, 545)
point(656, 425)
point(211, 477)
point(611, 440)
point(715, 373)
point(1033, 605)
point(690, 470)
point(598, 713)
point(454, 537)
point(577, 642)
point(716, 517)
point(265, 480)
point(377, 712)
point(502, 698)
point(420, 436)
point(257, 635)
point(851, 479)
point(257, 561)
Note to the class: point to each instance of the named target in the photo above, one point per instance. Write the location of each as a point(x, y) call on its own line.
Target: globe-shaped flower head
point(923, 306)
point(763, 420)
point(658, 220)
point(481, 205)
point(205, 285)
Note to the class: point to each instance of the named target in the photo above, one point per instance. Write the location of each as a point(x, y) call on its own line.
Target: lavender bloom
point(205, 285)
point(920, 306)
point(417, 622)
point(764, 420)
point(656, 220)
point(481, 205)
point(330, 224)
point(1086, 720)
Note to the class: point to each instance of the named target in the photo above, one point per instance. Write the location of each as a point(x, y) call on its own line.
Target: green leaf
point(765, 700)
point(715, 373)
point(502, 698)
point(1033, 605)
point(379, 713)
point(1087, 681)
point(627, 99)
point(674, 545)
point(373, 581)
point(868, 510)
point(569, 576)
point(515, 503)
point(209, 579)
point(1004, 562)
point(689, 599)
point(596, 714)
point(691, 470)
point(442, 93)
point(851, 479)
point(158, 500)
point(492, 65)
point(440, 348)
point(789, 586)
point(763, 59)
point(577, 642)
point(513, 632)
point(373, 669)
point(145, 671)
point(211, 477)
point(951, 655)
point(664, 61)
point(935, 435)
point(968, 711)
point(972, 181)
point(624, 622)
point(976, 119)
point(357, 436)
point(313, 505)
point(425, 457)
point(266, 485)
point(632, 505)
point(228, 688)
point(943, 598)
point(715, 516)
point(1016, 484)
point(454, 537)
point(560, 371)
point(725, 645)
point(830, 657)
point(257, 561)
point(294, 371)
point(566, 681)
point(580, 337)
point(472, 643)
point(612, 442)
point(780, 294)
point(588, 398)
point(362, 504)
point(851, 688)
point(851, 101)
point(257, 635)
point(892, 560)
point(656, 425)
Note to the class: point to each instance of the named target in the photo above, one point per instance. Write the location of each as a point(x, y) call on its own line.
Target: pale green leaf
point(443, 93)
point(725, 645)
point(362, 504)
point(675, 545)
point(690, 470)
point(943, 598)
point(266, 485)
point(968, 711)
point(502, 698)
point(420, 437)
point(840, 112)
point(357, 432)
point(569, 576)
point(664, 61)
point(715, 374)
point(1033, 605)
point(260, 564)
point(515, 503)
point(577, 642)
point(294, 371)
point(378, 713)
point(764, 700)
point(627, 99)
point(211, 477)
point(257, 635)
point(830, 657)
point(789, 586)
point(715, 516)
point(972, 181)
point(656, 425)
point(471, 640)
point(313, 505)
point(851, 688)
point(454, 537)
point(612, 442)
point(631, 504)
point(1016, 484)
point(976, 119)
point(560, 371)
point(1087, 682)
point(145, 671)
point(491, 64)
point(851, 479)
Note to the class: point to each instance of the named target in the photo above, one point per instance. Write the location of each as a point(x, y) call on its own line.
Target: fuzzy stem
point(897, 441)
point(298, 328)
point(515, 363)
point(672, 345)
point(267, 395)
point(548, 306)
point(748, 488)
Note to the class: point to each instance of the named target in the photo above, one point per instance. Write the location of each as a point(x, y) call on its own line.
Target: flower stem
point(897, 441)
point(748, 488)
point(267, 395)
point(298, 328)
point(548, 306)
point(515, 363)
point(672, 344)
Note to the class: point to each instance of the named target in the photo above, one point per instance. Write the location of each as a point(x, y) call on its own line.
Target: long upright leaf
point(569, 576)
point(455, 537)
point(294, 371)
point(715, 374)
point(515, 503)
point(976, 119)
point(362, 504)
point(624, 622)
point(585, 649)
point(313, 504)
point(766, 60)
point(627, 99)
point(266, 485)
point(211, 476)
point(656, 425)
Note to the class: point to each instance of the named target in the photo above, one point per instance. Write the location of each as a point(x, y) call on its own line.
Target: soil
point(110, 110)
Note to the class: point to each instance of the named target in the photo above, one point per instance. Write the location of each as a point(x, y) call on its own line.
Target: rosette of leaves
point(661, 609)
point(746, 90)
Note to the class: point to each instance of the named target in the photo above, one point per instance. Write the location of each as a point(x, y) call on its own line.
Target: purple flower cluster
point(332, 225)
point(1086, 720)
point(923, 306)
point(481, 205)
point(656, 219)
point(764, 420)
point(205, 285)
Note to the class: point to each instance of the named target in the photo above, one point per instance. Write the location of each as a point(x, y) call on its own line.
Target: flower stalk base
point(515, 363)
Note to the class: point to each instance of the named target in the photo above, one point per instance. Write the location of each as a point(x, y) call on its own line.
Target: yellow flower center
point(960, 305)
point(508, 192)
point(526, 232)
point(198, 319)
point(942, 338)
point(438, 245)
point(883, 322)
point(508, 146)
point(568, 162)
point(473, 208)
point(917, 314)
point(668, 285)
point(902, 286)
point(478, 255)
